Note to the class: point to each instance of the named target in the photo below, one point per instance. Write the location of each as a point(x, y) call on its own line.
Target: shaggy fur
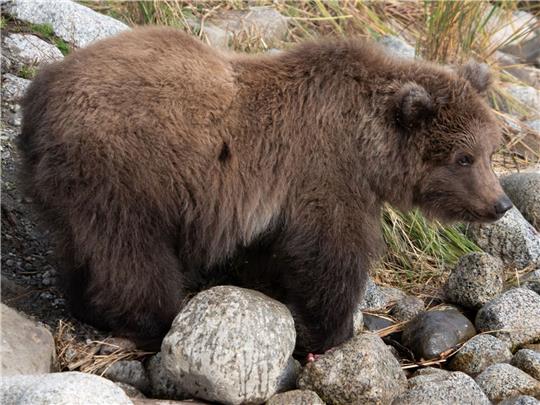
point(158, 161)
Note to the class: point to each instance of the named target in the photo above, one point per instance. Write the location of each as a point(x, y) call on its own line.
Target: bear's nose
point(503, 205)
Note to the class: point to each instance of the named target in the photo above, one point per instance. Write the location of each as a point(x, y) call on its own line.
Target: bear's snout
point(502, 205)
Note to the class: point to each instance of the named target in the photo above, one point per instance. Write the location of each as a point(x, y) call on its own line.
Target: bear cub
point(158, 161)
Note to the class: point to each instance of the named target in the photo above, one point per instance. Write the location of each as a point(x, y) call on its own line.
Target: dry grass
point(420, 253)
point(73, 354)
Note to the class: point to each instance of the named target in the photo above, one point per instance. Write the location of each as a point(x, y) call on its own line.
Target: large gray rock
point(528, 361)
point(29, 50)
point(362, 370)
point(60, 389)
point(479, 353)
point(434, 332)
point(70, 21)
point(513, 317)
point(477, 279)
point(511, 238)
point(240, 335)
point(441, 388)
point(397, 46)
point(524, 191)
point(27, 348)
point(13, 87)
point(129, 372)
point(502, 381)
point(296, 397)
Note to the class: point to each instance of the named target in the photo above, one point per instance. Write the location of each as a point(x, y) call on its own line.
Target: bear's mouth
point(481, 217)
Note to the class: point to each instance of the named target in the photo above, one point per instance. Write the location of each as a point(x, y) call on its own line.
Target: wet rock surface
point(477, 279)
point(479, 353)
point(241, 335)
point(335, 377)
point(514, 317)
point(502, 381)
point(434, 332)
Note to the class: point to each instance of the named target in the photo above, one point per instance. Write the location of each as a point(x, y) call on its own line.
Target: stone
point(129, 372)
point(29, 50)
point(148, 401)
point(374, 322)
point(503, 28)
point(162, 384)
point(513, 317)
point(524, 191)
point(296, 397)
point(69, 20)
point(443, 388)
point(397, 46)
point(528, 50)
point(511, 64)
point(479, 353)
point(528, 361)
point(511, 238)
point(13, 87)
point(501, 381)
point(377, 297)
point(27, 348)
point(520, 400)
point(429, 371)
point(241, 335)
point(337, 379)
point(262, 22)
point(288, 378)
point(531, 281)
point(130, 390)
point(476, 280)
point(407, 308)
point(61, 389)
point(526, 95)
point(434, 332)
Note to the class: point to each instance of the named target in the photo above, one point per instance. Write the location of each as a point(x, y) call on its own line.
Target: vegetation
point(420, 253)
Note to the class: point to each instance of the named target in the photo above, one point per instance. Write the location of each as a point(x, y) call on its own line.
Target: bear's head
point(446, 120)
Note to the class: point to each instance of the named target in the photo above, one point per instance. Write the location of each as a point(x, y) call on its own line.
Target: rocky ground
point(481, 346)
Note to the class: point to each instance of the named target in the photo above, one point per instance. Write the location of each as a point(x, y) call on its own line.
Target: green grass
point(45, 30)
point(27, 72)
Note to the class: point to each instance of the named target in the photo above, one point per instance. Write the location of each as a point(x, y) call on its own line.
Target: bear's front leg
point(327, 267)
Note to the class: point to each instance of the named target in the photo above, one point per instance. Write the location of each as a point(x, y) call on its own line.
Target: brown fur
point(158, 160)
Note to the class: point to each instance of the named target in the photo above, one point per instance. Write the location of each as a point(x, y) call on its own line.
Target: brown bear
point(163, 165)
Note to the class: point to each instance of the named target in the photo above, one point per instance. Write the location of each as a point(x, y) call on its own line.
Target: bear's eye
point(465, 160)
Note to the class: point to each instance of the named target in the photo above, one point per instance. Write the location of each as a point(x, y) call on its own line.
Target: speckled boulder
point(240, 336)
point(362, 370)
point(29, 50)
point(129, 372)
point(296, 397)
point(407, 308)
point(477, 279)
point(432, 333)
point(162, 384)
point(528, 361)
point(358, 321)
point(514, 317)
point(378, 297)
point(524, 191)
point(479, 353)
point(501, 381)
point(511, 238)
point(440, 388)
point(60, 389)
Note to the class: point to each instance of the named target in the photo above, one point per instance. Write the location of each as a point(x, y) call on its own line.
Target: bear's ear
point(477, 74)
point(414, 105)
